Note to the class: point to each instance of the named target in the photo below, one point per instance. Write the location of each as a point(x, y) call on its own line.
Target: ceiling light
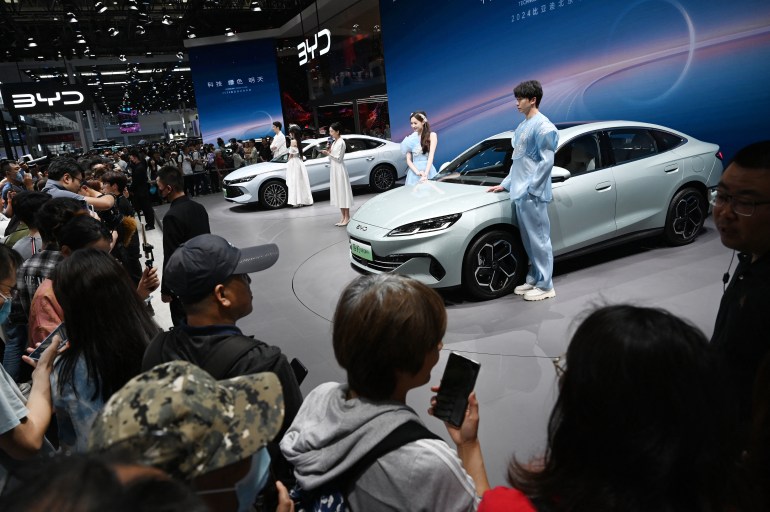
point(122, 58)
point(72, 18)
point(40, 57)
point(191, 33)
point(132, 5)
point(100, 7)
point(148, 54)
point(140, 30)
point(31, 43)
point(80, 39)
point(167, 20)
point(180, 55)
point(255, 6)
point(112, 31)
point(229, 32)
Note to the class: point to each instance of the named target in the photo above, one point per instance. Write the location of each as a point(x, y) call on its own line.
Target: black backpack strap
point(225, 354)
point(402, 435)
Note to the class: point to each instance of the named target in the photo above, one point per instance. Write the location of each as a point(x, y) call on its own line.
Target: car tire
point(686, 214)
point(382, 178)
point(494, 264)
point(273, 194)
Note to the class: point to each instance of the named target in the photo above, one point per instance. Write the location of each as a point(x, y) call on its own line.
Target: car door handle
point(369, 159)
point(604, 185)
point(671, 168)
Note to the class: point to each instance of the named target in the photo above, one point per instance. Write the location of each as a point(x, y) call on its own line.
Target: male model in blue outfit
point(529, 183)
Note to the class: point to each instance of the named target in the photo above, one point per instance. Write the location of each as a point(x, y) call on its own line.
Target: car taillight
point(719, 155)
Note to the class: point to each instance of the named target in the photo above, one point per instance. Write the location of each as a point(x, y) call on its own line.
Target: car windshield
point(486, 164)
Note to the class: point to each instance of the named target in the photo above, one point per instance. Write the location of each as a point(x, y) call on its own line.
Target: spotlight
point(40, 57)
point(100, 7)
point(112, 31)
point(72, 17)
point(355, 28)
point(148, 54)
point(81, 39)
point(229, 32)
point(191, 33)
point(31, 43)
point(122, 58)
point(180, 55)
point(167, 20)
point(140, 30)
point(132, 5)
point(255, 6)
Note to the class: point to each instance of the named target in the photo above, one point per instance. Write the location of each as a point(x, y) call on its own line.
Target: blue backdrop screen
point(699, 66)
point(236, 89)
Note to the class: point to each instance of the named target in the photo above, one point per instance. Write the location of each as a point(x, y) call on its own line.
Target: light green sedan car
point(612, 181)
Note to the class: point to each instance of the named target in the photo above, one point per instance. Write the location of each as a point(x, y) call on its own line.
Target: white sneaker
point(523, 288)
point(538, 294)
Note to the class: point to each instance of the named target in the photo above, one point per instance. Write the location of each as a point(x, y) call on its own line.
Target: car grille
point(392, 262)
point(383, 263)
point(231, 191)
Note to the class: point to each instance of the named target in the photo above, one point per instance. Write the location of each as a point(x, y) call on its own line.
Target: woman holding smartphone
point(108, 328)
point(419, 148)
point(341, 194)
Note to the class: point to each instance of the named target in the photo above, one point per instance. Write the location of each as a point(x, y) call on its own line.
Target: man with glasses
point(211, 279)
point(65, 179)
point(742, 217)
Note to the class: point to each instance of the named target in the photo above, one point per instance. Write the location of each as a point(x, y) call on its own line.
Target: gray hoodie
point(331, 433)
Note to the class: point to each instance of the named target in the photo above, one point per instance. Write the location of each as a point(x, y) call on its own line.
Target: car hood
point(253, 169)
point(424, 201)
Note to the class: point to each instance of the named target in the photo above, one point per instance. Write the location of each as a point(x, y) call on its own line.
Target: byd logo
point(306, 48)
point(22, 101)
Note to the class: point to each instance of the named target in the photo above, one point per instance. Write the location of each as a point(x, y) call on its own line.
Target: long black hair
point(421, 116)
point(640, 423)
point(107, 323)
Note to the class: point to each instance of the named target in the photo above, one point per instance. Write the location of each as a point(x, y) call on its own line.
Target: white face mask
point(248, 487)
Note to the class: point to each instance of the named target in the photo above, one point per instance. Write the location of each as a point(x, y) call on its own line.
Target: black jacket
point(184, 220)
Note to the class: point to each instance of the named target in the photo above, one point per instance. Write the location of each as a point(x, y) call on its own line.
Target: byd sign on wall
point(41, 98)
point(307, 50)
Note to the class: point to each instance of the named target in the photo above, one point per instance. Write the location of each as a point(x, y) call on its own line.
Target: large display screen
point(236, 89)
point(129, 121)
point(699, 66)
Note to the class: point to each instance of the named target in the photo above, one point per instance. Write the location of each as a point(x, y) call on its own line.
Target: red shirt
point(504, 499)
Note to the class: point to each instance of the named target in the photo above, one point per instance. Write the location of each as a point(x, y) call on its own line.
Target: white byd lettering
point(31, 100)
point(305, 47)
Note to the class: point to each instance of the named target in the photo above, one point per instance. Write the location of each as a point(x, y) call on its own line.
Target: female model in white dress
point(341, 194)
point(296, 173)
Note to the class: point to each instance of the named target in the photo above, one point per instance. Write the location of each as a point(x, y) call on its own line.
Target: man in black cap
point(211, 278)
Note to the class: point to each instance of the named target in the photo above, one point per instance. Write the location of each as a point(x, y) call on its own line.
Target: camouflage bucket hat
point(176, 417)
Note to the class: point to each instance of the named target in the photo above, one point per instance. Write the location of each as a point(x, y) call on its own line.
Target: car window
point(371, 144)
point(631, 144)
point(666, 141)
point(580, 155)
point(353, 145)
point(312, 151)
point(487, 163)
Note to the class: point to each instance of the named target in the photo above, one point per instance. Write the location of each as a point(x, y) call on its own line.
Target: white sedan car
point(370, 161)
point(612, 181)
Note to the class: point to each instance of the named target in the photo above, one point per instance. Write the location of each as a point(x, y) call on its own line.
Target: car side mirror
point(560, 174)
point(443, 166)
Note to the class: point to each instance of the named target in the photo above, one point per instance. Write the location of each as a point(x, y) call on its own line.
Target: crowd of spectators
point(650, 414)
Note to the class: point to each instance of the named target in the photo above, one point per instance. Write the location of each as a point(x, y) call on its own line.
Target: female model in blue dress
point(419, 148)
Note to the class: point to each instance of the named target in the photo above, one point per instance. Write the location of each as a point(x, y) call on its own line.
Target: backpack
point(331, 497)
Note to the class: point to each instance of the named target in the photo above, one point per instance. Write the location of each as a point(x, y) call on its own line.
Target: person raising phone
point(387, 336)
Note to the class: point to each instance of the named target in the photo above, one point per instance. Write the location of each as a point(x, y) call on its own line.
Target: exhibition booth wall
point(699, 66)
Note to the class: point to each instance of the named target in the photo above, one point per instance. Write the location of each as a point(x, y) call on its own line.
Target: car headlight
point(426, 226)
point(242, 180)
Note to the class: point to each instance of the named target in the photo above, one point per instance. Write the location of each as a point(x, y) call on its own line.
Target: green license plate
point(361, 250)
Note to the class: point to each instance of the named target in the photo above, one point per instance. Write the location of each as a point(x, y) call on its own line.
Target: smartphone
point(456, 384)
point(300, 370)
point(60, 330)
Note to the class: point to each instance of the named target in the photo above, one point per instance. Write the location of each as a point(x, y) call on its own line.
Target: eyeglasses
point(739, 206)
point(560, 365)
